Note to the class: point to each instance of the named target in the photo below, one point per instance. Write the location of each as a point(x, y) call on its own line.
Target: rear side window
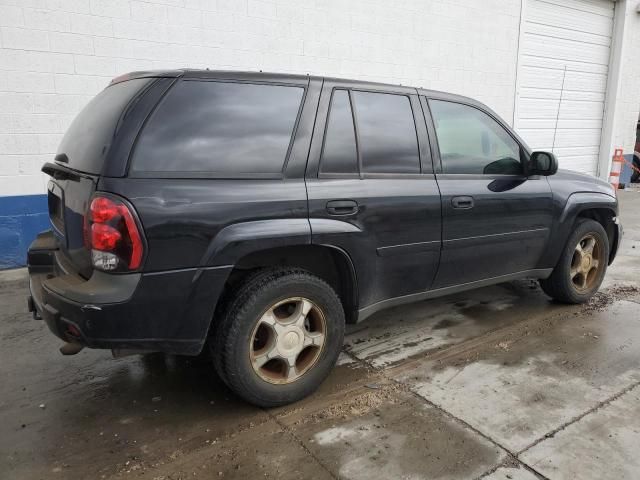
point(471, 142)
point(387, 133)
point(89, 137)
point(220, 128)
point(339, 154)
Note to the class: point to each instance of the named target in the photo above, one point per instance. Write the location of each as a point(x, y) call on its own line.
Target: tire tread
point(556, 285)
point(235, 309)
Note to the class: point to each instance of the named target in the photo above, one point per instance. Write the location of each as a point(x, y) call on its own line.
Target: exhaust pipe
point(71, 348)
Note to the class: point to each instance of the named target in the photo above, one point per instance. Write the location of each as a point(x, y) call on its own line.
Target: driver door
point(495, 219)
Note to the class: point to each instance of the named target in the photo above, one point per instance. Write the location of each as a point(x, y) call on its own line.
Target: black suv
point(254, 214)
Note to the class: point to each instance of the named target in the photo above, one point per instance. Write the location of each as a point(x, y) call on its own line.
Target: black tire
point(231, 345)
point(559, 285)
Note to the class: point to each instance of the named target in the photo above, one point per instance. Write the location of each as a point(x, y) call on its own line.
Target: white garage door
point(570, 39)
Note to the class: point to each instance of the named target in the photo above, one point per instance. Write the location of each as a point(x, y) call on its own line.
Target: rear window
point(220, 128)
point(88, 138)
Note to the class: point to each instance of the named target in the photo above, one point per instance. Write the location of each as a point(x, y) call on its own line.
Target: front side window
point(387, 133)
point(221, 128)
point(471, 142)
point(339, 154)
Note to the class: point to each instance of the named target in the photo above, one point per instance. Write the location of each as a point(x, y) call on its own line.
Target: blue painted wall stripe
point(21, 219)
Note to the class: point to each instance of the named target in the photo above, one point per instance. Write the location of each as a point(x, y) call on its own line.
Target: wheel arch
point(597, 206)
point(330, 263)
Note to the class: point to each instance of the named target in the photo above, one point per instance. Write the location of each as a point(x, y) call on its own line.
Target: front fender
point(566, 216)
point(582, 201)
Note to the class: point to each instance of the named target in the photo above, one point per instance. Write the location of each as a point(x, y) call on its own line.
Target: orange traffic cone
point(616, 168)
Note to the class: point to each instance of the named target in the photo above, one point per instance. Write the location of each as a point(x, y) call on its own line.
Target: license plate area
point(55, 200)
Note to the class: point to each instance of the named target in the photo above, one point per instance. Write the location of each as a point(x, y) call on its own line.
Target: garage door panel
point(584, 164)
point(559, 64)
point(576, 96)
point(542, 138)
point(597, 7)
point(568, 137)
point(548, 109)
point(567, 33)
point(556, 35)
point(585, 151)
point(532, 123)
point(561, 49)
point(588, 16)
point(550, 78)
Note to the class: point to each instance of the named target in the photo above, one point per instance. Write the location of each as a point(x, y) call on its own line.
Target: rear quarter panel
point(181, 218)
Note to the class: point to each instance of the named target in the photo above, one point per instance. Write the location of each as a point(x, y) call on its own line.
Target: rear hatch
point(77, 168)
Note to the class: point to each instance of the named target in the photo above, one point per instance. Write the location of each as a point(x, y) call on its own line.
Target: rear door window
point(220, 128)
point(387, 133)
point(340, 154)
point(89, 137)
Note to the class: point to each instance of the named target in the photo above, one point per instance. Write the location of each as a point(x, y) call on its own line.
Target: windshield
point(88, 138)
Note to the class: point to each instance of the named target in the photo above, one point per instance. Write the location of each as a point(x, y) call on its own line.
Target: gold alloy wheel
point(287, 340)
point(586, 263)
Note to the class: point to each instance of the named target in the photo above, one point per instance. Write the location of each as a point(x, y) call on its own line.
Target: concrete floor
point(499, 383)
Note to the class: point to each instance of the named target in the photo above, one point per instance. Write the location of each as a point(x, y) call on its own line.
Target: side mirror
point(543, 163)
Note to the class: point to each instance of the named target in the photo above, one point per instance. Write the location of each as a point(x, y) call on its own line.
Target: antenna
point(555, 129)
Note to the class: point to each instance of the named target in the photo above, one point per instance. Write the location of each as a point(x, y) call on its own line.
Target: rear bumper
point(160, 311)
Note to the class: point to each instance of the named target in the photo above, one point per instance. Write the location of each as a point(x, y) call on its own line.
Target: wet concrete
point(266, 451)
point(497, 383)
point(603, 444)
point(403, 438)
point(534, 377)
point(436, 324)
point(512, 473)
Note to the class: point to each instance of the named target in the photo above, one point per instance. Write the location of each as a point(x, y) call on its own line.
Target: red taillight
point(113, 235)
point(103, 210)
point(104, 237)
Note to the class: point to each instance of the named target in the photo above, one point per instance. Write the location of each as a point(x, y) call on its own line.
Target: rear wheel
point(582, 266)
point(279, 337)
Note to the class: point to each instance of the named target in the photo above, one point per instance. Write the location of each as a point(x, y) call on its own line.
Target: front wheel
point(582, 266)
point(279, 337)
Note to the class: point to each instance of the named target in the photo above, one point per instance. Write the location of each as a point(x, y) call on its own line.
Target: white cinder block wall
point(56, 54)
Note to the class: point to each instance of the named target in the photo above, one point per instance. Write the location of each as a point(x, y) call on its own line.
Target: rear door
point(496, 218)
point(371, 188)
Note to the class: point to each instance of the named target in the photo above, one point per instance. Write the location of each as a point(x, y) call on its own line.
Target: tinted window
point(470, 141)
point(339, 154)
point(220, 128)
point(87, 140)
point(387, 133)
